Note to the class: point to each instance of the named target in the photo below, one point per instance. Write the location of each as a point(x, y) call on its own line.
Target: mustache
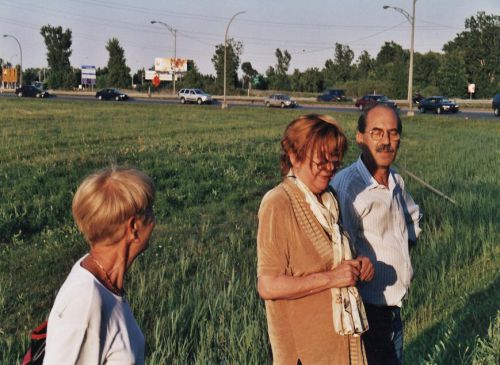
point(385, 148)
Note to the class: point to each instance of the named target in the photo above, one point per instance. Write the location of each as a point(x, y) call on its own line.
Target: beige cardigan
point(299, 328)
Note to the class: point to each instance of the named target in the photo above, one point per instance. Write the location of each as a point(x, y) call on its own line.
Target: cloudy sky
point(307, 29)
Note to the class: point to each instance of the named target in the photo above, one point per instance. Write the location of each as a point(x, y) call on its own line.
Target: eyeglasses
point(327, 165)
point(377, 134)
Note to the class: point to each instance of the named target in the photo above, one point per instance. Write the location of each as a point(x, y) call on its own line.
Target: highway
point(470, 113)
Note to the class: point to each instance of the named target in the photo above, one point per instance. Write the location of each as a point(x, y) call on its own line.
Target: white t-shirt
point(88, 324)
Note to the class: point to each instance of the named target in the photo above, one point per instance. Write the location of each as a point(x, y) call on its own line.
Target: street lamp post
point(20, 57)
point(411, 19)
point(174, 33)
point(224, 104)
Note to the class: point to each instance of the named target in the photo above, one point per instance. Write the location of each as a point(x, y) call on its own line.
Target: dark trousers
point(384, 340)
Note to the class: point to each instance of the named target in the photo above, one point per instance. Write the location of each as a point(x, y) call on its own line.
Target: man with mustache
point(382, 221)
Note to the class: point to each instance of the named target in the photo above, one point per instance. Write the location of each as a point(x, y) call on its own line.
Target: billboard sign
point(88, 75)
point(164, 76)
point(9, 74)
point(164, 64)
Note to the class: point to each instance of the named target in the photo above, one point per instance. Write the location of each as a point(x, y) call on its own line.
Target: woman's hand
point(367, 270)
point(345, 274)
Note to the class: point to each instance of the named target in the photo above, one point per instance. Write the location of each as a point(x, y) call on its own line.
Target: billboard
point(9, 74)
point(163, 64)
point(88, 75)
point(164, 76)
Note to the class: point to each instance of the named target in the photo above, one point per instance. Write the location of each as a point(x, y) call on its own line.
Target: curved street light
point(411, 20)
point(224, 104)
point(20, 56)
point(174, 33)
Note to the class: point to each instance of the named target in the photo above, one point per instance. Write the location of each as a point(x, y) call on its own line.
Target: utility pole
point(224, 104)
point(174, 33)
point(411, 20)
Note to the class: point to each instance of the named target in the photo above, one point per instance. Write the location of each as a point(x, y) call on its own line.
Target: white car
point(280, 100)
point(194, 96)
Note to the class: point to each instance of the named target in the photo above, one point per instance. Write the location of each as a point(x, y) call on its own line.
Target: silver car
point(194, 96)
point(280, 100)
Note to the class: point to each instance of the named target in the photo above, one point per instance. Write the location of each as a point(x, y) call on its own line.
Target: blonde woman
point(91, 321)
point(306, 270)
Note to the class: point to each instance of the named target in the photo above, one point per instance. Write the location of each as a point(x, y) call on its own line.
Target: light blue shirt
point(380, 221)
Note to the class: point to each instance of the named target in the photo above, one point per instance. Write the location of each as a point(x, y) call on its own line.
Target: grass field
point(193, 292)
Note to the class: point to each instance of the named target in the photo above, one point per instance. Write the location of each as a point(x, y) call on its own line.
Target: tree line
point(471, 57)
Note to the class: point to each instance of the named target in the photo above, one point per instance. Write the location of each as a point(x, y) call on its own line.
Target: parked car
point(111, 94)
point(31, 91)
point(194, 96)
point(332, 95)
point(280, 100)
point(367, 100)
point(438, 105)
point(496, 105)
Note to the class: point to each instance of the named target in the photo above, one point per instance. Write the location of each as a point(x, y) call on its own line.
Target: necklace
point(108, 281)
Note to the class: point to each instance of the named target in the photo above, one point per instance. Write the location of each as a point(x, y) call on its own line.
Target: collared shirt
point(380, 221)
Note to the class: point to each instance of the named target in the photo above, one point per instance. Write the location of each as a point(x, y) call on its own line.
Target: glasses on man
point(377, 134)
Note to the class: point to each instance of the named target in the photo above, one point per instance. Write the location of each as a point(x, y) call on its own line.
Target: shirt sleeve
point(272, 250)
point(73, 333)
point(412, 218)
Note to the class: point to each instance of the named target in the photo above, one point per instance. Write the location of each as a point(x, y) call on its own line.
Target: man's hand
point(367, 271)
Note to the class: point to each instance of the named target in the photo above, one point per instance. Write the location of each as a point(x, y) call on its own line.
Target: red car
point(366, 100)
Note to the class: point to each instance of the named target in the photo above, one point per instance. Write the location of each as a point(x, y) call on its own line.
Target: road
point(464, 114)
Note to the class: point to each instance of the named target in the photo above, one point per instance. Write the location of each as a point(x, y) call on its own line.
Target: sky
point(307, 29)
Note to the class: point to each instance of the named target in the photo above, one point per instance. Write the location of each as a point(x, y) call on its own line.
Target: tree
point(426, 68)
point(452, 74)
point(340, 69)
point(343, 60)
point(58, 44)
point(234, 51)
point(479, 44)
point(365, 67)
point(312, 80)
point(118, 72)
point(30, 75)
point(277, 76)
point(249, 73)
point(392, 68)
point(192, 78)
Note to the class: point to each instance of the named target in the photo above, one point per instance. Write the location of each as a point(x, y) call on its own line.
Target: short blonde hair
point(107, 198)
point(311, 133)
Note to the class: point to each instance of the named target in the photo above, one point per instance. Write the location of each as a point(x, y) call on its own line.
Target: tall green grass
point(193, 291)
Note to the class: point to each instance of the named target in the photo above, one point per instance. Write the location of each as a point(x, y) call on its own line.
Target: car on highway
point(111, 94)
point(332, 95)
point(496, 105)
point(367, 100)
point(197, 96)
point(438, 105)
point(31, 91)
point(280, 100)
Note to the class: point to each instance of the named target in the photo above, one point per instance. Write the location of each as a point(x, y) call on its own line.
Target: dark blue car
point(438, 105)
point(332, 95)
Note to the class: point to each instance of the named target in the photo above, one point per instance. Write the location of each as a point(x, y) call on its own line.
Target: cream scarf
point(349, 317)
